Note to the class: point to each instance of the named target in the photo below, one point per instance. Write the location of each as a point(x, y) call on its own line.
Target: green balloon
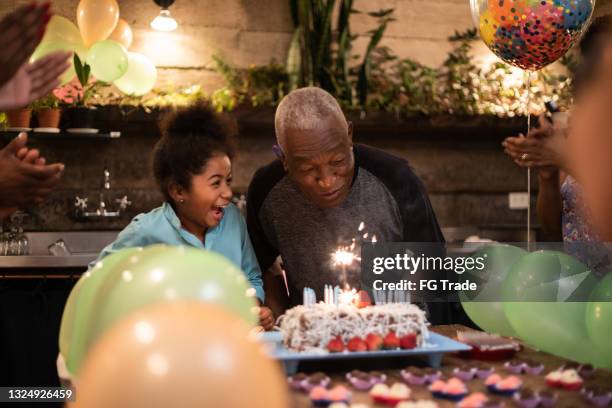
point(78, 309)
point(108, 60)
point(599, 319)
point(161, 273)
point(46, 48)
point(140, 76)
point(482, 308)
point(538, 301)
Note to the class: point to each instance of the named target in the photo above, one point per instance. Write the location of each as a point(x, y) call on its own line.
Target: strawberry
point(391, 341)
point(374, 341)
point(335, 345)
point(357, 344)
point(408, 341)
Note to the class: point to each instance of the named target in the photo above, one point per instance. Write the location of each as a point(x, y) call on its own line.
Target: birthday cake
point(326, 327)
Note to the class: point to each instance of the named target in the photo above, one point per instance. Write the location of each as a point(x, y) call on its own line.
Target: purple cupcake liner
point(412, 379)
point(308, 386)
point(527, 403)
point(533, 370)
point(548, 402)
point(325, 402)
point(464, 375)
point(514, 368)
point(430, 378)
point(601, 400)
point(484, 373)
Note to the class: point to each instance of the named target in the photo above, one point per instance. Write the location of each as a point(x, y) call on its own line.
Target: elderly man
point(314, 197)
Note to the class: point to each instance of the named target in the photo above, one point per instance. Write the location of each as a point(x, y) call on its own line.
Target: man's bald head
point(307, 109)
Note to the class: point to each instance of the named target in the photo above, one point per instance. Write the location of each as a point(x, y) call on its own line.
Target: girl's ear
point(177, 192)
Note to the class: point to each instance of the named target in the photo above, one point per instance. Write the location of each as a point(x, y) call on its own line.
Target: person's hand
point(542, 148)
point(20, 33)
point(266, 318)
point(24, 176)
point(33, 81)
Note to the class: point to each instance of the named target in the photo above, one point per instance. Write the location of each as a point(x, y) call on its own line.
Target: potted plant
point(47, 111)
point(19, 118)
point(75, 95)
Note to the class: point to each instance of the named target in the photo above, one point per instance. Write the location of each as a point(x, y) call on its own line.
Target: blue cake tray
point(436, 346)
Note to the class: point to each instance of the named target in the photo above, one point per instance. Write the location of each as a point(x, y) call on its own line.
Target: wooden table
point(566, 399)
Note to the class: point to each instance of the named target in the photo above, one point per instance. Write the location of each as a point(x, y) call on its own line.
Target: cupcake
point(359, 380)
point(600, 396)
point(547, 398)
point(532, 367)
point(570, 380)
point(493, 403)
point(318, 396)
point(586, 371)
point(382, 394)
point(504, 386)
point(475, 400)
point(527, 398)
point(417, 404)
point(296, 380)
point(314, 380)
point(379, 391)
point(483, 371)
point(553, 379)
point(339, 394)
point(514, 366)
point(492, 380)
point(378, 377)
point(363, 381)
point(431, 374)
point(414, 376)
point(437, 388)
point(455, 389)
point(465, 372)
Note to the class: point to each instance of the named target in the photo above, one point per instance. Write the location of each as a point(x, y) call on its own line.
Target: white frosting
point(310, 328)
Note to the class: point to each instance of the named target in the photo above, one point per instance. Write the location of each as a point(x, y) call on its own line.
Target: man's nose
point(327, 178)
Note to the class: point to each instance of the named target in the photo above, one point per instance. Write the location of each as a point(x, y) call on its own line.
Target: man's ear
point(280, 154)
point(350, 131)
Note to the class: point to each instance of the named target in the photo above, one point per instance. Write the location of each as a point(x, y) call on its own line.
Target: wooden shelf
point(62, 135)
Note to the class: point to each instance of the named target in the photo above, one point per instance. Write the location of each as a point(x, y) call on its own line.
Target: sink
point(82, 247)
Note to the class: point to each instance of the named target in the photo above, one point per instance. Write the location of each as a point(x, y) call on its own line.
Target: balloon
point(78, 309)
point(157, 274)
point(45, 48)
point(122, 34)
point(140, 76)
point(108, 60)
point(531, 34)
point(97, 19)
point(185, 354)
point(485, 308)
point(599, 318)
point(540, 301)
point(62, 29)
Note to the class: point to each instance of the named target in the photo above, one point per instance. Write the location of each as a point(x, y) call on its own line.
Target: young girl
point(192, 167)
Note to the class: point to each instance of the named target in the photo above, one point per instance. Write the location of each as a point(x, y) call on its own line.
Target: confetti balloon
point(531, 34)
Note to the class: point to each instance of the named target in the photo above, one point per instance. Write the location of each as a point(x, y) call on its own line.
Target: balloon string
point(528, 168)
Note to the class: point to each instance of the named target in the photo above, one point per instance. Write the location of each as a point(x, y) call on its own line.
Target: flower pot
point(49, 117)
point(78, 118)
point(19, 118)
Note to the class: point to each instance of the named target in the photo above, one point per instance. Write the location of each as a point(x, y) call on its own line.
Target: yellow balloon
point(180, 355)
point(62, 29)
point(97, 19)
point(122, 34)
point(46, 48)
